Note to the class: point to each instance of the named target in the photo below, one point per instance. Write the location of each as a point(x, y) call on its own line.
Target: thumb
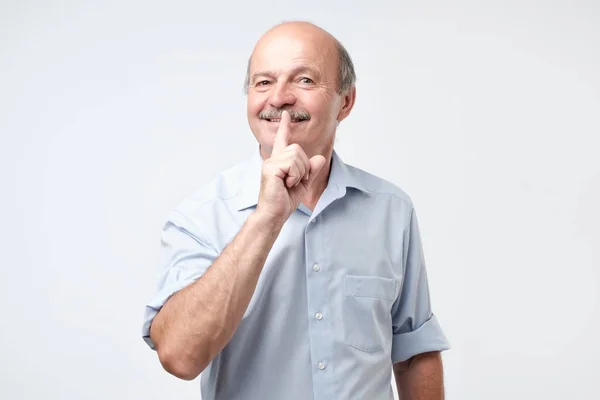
point(316, 165)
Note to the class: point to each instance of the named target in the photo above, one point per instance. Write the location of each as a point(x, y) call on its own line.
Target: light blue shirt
point(343, 294)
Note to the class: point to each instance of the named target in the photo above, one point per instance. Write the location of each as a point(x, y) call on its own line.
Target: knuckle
point(268, 167)
point(294, 147)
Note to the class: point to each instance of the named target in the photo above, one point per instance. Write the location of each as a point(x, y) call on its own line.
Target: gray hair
point(346, 72)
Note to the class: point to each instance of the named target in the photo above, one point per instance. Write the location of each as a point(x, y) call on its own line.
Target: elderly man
point(292, 275)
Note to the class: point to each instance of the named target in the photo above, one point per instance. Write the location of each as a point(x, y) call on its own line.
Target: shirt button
point(319, 316)
point(321, 365)
point(316, 268)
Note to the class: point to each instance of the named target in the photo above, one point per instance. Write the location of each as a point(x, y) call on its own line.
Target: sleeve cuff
point(156, 304)
point(428, 337)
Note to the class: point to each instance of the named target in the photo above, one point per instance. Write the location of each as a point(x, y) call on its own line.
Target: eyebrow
point(295, 71)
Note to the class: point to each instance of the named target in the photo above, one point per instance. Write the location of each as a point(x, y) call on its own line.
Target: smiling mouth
point(279, 120)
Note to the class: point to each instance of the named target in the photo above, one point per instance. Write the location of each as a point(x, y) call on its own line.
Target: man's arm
point(199, 320)
point(418, 337)
point(420, 377)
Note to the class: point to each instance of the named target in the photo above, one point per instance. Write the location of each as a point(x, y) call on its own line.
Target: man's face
point(295, 70)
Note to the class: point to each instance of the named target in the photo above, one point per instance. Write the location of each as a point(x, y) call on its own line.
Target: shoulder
point(378, 186)
point(211, 197)
point(221, 188)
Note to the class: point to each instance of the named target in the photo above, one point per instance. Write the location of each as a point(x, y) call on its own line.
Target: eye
point(306, 80)
point(262, 83)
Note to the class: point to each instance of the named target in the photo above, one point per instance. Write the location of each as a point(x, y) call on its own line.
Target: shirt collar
point(341, 177)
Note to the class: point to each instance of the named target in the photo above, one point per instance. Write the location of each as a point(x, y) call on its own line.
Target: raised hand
point(286, 175)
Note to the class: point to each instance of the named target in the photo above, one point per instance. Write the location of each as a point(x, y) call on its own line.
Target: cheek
point(321, 105)
point(324, 116)
point(255, 104)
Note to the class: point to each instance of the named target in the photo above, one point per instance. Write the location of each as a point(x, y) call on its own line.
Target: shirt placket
point(318, 278)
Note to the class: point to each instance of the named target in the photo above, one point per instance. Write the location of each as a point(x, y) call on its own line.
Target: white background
point(486, 112)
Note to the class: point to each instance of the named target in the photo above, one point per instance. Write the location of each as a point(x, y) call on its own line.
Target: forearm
point(198, 321)
point(421, 378)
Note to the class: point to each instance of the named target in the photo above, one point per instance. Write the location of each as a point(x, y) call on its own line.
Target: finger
point(296, 152)
point(303, 159)
point(316, 165)
point(281, 138)
point(294, 173)
point(302, 170)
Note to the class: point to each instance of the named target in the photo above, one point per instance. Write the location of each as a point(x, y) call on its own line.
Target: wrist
point(266, 222)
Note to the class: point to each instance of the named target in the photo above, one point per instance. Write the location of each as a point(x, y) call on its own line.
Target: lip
point(278, 121)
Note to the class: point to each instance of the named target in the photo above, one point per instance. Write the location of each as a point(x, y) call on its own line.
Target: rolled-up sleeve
point(415, 328)
point(186, 256)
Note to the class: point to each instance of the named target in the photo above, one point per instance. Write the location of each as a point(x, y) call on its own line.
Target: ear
point(348, 100)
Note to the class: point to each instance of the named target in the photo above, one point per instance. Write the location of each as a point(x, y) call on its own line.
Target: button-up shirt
point(343, 294)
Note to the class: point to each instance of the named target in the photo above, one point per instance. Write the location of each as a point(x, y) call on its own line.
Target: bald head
point(302, 69)
point(297, 28)
point(333, 52)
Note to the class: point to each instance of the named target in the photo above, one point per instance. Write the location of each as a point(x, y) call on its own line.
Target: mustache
point(275, 113)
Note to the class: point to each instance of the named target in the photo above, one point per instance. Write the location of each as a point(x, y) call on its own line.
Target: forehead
point(285, 51)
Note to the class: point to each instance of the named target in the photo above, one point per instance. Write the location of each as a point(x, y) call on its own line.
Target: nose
point(282, 96)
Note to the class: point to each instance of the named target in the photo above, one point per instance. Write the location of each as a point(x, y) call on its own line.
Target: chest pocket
point(368, 303)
